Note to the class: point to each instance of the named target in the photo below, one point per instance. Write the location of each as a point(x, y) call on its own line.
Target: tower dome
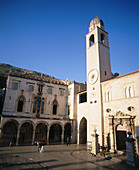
point(96, 22)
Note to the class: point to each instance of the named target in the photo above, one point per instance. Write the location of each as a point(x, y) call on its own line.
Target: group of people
point(40, 146)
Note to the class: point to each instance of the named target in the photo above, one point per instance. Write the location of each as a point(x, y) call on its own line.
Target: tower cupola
point(97, 22)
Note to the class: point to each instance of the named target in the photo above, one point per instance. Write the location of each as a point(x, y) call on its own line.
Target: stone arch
point(26, 133)
point(27, 121)
point(10, 120)
point(67, 131)
point(46, 124)
point(91, 40)
point(55, 133)
point(83, 131)
point(102, 38)
point(56, 122)
point(9, 132)
point(41, 131)
point(20, 103)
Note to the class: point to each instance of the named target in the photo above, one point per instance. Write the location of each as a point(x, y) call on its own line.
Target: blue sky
point(49, 35)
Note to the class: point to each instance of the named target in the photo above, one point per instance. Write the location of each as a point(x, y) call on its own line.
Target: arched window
point(109, 96)
point(126, 92)
point(20, 104)
point(55, 107)
point(91, 40)
point(102, 38)
point(42, 106)
point(34, 107)
point(38, 105)
point(130, 92)
point(106, 96)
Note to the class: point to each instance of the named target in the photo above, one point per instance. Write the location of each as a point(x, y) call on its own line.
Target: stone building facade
point(51, 110)
point(38, 109)
point(120, 109)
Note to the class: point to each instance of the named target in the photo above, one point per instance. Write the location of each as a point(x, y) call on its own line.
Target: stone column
point(112, 137)
point(77, 135)
point(133, 126)
point(62, 135)
point(94, 149)
point(72, 135)
point(130, 150)
point(48, 129)
point(33, 136)
point(17, 138)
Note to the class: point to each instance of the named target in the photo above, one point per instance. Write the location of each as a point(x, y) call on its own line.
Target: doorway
point(83, 131)
point(120, 139)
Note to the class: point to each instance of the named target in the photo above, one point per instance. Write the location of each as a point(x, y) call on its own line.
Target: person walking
point(68, 141)
point(38, 146)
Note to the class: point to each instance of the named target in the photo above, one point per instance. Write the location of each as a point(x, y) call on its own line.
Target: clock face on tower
point(92, 76)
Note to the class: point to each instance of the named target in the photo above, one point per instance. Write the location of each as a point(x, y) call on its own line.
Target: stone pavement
point(59, 157)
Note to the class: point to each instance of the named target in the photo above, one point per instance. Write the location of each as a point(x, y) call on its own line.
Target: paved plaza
point(58, 157)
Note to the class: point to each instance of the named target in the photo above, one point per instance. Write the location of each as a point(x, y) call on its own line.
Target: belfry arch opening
point(83, 131)
point(91, 40)
point(102, 38)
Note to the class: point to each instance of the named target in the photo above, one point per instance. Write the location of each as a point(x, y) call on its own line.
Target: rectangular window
point(50, 90)
point(83, 98)
point(15, 86)
point(68, 110)
point(61, 92)
point(30, 88)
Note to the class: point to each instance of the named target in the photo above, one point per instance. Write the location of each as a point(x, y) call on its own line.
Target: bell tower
point(98, 70)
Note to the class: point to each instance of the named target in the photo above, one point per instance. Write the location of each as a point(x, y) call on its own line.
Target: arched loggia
point(41, 132)
point(55, 134)
point(9, 133)
point(67, 131)
point(26, 133)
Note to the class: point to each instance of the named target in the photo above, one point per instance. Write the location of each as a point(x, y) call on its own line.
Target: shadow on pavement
point(26, 163)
